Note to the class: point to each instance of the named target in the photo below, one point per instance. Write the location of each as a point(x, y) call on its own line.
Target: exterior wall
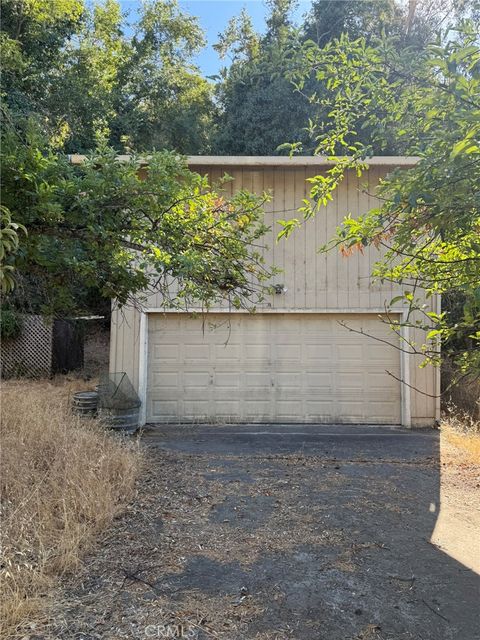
point(315, 282)
point(125, 343)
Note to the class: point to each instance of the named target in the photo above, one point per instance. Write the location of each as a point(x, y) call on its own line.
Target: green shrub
point(10, 323)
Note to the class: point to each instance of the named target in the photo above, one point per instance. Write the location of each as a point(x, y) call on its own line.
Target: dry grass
point(463, 432)
point(463, 396)
point(62, 481)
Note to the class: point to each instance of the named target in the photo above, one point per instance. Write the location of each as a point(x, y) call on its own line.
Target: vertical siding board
point(430, 374)
point(299, 241)
point(365, 260)
point(247, 184)
point(213, 176)
point(419, 382)
point(346, 275)
point(279, 247)
point(330, 213)
point(258, 187)
point(373, 255)
point(315, 285)
point(289, 245)
point(136, 348)
point(127, 363)
point(247, 179)
point(423, 383)
point(233, 185)
point(353, 262)
point(229, 185)
point(269, 239)
point(309, 276)
point(114, 343)
point(258, 182)
point(123, 337)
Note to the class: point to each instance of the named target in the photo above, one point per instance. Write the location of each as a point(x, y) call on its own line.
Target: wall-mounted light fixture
point(280, 288)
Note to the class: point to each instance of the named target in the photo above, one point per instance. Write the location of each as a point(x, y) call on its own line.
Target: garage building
point(295, 360)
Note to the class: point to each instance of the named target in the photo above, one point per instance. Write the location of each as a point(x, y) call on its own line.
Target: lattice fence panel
point(30, 353)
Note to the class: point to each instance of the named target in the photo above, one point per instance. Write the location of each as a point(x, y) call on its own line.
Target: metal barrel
point(85, 403)
point(123, 420)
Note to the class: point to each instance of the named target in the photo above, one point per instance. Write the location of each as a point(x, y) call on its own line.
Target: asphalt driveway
point(269, 533)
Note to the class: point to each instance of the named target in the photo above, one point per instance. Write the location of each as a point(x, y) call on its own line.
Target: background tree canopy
point(74, 66)
point(73, 237)
point(89, 73)
point(259, 109)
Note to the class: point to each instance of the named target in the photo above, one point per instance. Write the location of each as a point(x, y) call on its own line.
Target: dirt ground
point(269, 533)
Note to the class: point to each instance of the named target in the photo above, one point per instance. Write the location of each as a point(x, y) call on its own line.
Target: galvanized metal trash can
point(119, 404)
point(85, 404)
point(125, 420)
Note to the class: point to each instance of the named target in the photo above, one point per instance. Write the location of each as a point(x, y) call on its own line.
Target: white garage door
point(271, 368)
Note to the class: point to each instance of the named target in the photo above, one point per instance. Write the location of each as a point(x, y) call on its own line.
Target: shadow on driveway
point(277, 533)
point(344, 516)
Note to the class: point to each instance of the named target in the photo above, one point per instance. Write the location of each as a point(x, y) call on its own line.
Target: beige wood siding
point(125, 343)
point(313, 281)
point(325, 283)
point(271, 368)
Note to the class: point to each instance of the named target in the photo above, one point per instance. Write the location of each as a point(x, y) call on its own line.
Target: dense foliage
point(90, 75)
point(428, 221)
point(259, 108)
point(108, 228)
point(73, 237)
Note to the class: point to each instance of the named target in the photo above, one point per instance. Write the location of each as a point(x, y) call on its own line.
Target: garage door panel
point(223, 380)
point(226, 408)
point(195, 394)
point(261, 393)
point(382, 411)
point(194, 352)
point(319, 407)
point(258, 352)
point(255, 409)
point(376, 353)
point(317, 380)
point(255, 379)
point(167, 378)
point(196, 407)
point(196, 379)
point(289, 352)
point(315, 352)
point(165, 352)
point(167, 408)
point(285, 381)
point(280, 367)
point(224, 395)
point(351, 382)
point(227, 353)
point(288, 410)
point(382, 379)
point(350, 352)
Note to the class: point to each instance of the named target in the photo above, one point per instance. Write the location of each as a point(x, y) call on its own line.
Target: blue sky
point(214, 16)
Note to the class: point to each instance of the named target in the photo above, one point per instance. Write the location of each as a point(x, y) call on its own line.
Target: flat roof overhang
point(271, 161)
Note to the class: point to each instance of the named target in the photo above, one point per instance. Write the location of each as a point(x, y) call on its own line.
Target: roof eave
point(270, 161)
